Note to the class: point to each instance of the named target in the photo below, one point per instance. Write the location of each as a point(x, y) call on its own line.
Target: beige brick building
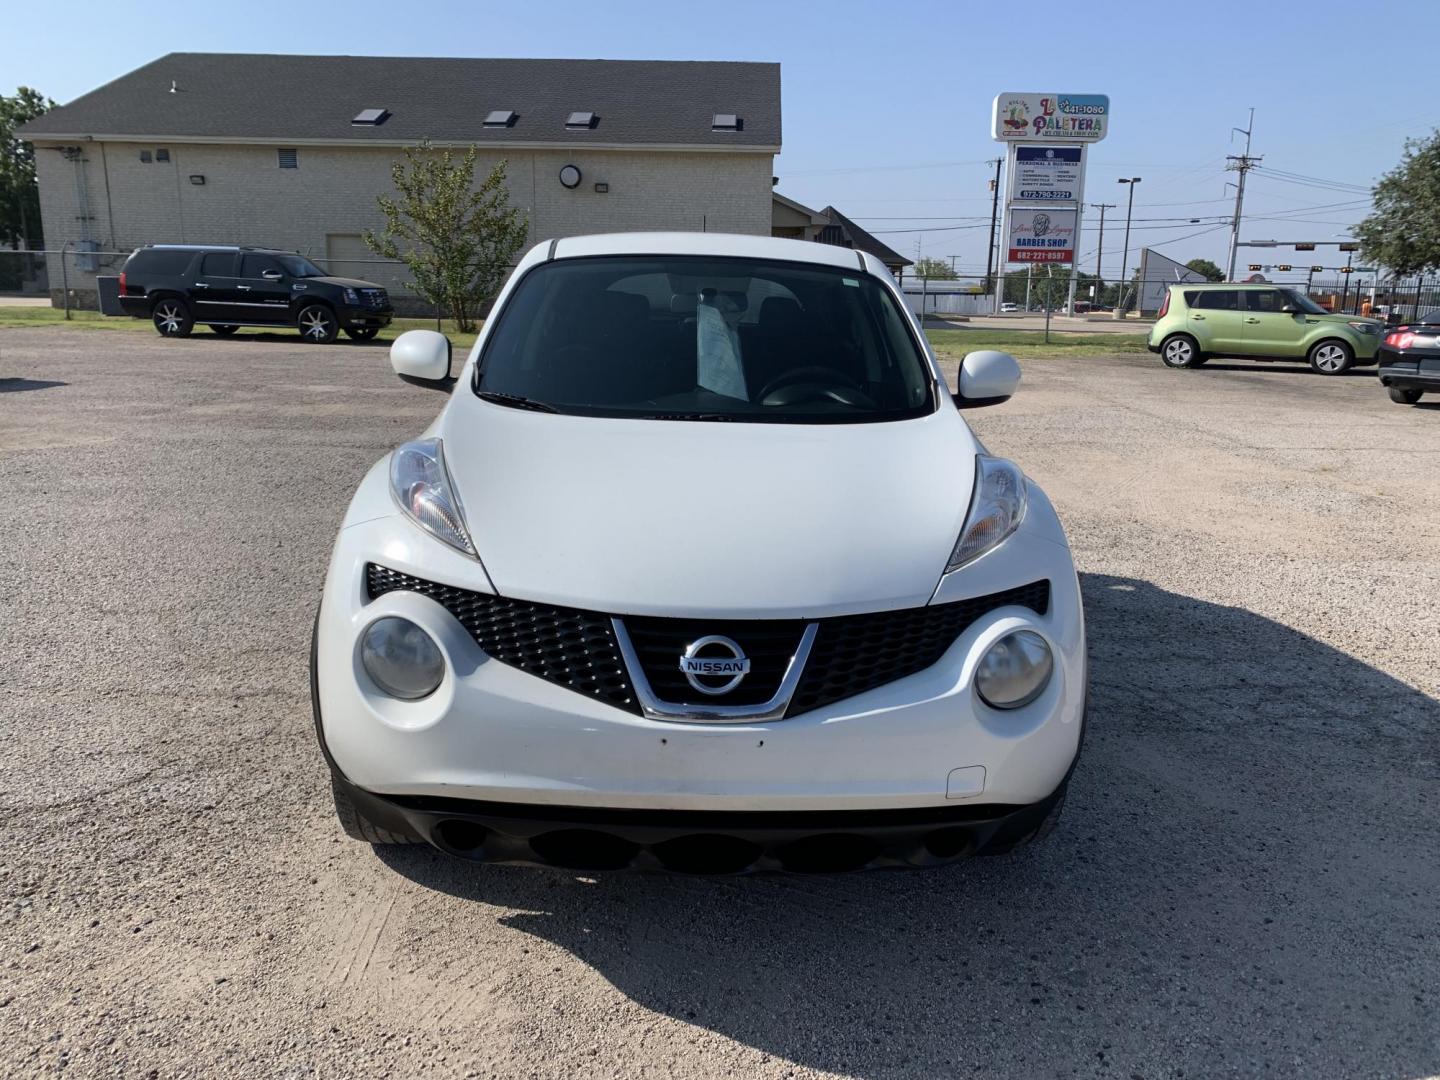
point(186, 150)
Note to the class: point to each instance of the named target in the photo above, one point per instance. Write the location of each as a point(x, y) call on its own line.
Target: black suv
point(179, 285)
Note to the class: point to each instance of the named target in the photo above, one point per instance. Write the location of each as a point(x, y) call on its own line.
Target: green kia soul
point(1259, 322)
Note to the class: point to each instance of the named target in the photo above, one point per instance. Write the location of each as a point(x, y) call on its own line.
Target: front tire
point(1404, 396)
point(172, 317)
point(1181, 351)
point(1331, 357)
point(317, 324)
point(362, 333)
point(223, 331)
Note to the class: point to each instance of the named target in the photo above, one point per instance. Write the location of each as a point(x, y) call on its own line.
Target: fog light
point(401, 658)
point(1014, 671)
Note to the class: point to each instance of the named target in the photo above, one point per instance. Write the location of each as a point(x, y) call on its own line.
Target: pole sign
point(1042, 235)
point(1072, 118)
point(1047, 174)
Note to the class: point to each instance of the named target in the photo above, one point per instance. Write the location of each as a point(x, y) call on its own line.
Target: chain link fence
point(67, 277)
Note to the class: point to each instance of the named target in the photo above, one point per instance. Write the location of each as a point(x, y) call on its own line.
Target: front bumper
point(357, 318)
point(493, 733)
point(709, 842)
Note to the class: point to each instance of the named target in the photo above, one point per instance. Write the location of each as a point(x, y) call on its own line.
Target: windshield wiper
point(515, 401)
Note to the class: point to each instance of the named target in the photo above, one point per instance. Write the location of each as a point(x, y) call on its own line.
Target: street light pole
point(1125, 259)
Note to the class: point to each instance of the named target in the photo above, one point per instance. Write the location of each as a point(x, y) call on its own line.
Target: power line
point(1360, 188)
point(888, 168)
point(1348, 204)
point(1338, 189)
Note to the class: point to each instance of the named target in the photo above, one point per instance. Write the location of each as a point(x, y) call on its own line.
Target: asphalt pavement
point(1246, 882)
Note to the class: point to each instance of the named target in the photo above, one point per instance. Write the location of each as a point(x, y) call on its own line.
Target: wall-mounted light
point(197, 179)
point(570, 176)
point(601, 189)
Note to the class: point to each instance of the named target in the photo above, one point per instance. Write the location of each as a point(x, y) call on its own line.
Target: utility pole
point(1100, 249)
point(1242, 164)
point(1125, 258)
point(994, 213)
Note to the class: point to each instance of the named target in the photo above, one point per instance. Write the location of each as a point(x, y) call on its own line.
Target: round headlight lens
point(402, 659)
point(1015, 670)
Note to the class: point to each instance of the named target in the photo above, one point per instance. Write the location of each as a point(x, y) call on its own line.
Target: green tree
point(457, 240)
point(934, 269)
point(1403, 232)
point(1206, 269)
point(19, 194)
point(1049, 286)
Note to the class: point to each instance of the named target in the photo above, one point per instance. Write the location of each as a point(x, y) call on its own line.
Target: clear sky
point(887, 106)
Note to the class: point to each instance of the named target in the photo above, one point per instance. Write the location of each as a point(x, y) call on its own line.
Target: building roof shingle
point(855, 237)
point(312, 99)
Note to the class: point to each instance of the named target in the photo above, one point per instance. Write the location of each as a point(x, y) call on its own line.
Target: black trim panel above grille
point(578, 649)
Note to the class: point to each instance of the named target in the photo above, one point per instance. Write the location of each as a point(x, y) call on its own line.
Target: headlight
point(352, 297)
point(401, 658)
point(421, 485)
point(1014, 671)
point(996, 509)
point(1365, 327)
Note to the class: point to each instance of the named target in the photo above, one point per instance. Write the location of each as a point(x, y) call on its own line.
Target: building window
point(162, 155)
point(145, 156)
point(288, 159)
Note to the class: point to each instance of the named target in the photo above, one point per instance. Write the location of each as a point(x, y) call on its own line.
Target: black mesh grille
point(576, 649)
point(375, 298)
point(855, 653)
point(769, 644)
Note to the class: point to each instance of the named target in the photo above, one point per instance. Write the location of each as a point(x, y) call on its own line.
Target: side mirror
point(1288, 309)
point(271, 275)
point(986, 378)
point(422, 357)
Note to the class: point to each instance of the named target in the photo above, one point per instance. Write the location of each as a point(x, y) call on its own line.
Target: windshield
point(299, 266)
point(1303, 302)
point(694, 338)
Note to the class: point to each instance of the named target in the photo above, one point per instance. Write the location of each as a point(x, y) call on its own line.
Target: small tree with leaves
point(457, 240)
point(934, 269)
point(1403, 232)
point(19, 194)
point(1206, 269)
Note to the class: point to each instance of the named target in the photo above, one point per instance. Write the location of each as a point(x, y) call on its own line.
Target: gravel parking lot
point(1247, 880)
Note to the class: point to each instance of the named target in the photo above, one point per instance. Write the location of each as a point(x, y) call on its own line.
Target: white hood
point(709, 519)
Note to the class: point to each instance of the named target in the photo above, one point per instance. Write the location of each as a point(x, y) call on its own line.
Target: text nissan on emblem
point(721, 659)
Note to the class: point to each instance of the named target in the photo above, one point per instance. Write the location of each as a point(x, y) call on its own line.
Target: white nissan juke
point(700, 569)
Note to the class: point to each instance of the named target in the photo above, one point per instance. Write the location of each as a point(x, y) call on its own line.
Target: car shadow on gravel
point(16, 386)
point(1244, 882)
point(290, 337)
point(1298, 367)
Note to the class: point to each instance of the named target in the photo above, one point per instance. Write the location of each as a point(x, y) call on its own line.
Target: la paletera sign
point(1025, 117)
